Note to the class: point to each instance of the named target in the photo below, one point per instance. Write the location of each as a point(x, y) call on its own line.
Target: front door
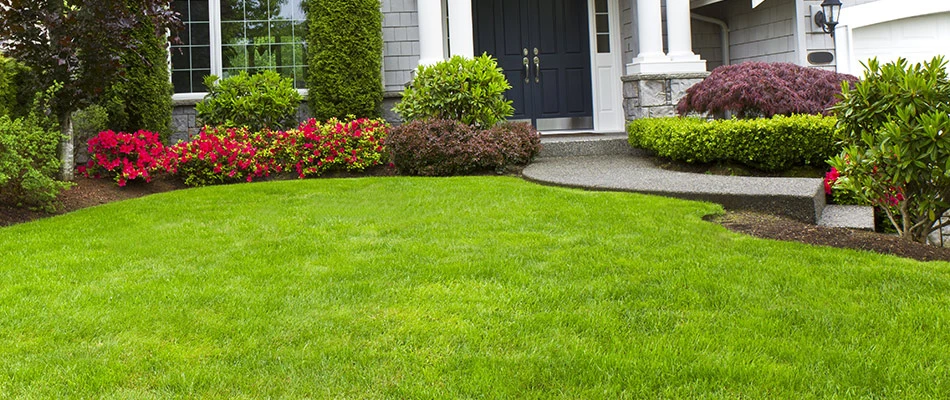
point(543, 46)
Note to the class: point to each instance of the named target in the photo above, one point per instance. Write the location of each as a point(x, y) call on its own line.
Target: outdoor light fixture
point(828, 17)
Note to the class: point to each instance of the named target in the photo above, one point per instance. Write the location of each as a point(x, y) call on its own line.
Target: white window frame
point(214, 31)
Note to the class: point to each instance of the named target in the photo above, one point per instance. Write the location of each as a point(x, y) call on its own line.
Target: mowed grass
point(485, 287)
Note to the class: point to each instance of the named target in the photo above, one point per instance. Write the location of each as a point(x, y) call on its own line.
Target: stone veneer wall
point(656, 95)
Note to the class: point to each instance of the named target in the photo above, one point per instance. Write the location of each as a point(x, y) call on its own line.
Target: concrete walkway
point(607, 162)
point(628, 170)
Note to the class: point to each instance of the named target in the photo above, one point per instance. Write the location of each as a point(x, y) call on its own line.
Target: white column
point(678, 30)
point(652, 59)
point(461, 32)
point(431, 36)
point(650, 31)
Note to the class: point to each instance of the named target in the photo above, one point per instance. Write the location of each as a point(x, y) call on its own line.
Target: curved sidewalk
point(799, 198)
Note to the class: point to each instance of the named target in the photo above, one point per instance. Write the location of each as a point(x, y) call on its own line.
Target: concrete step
point(586, 144)
point(841, 216)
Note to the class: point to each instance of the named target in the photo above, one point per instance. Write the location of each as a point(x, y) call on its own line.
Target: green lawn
point(452, 288)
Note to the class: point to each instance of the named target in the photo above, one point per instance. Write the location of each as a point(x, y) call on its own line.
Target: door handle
point(527, 68)
point(537, 69)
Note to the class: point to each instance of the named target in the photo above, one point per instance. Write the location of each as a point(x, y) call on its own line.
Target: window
point(603, 26)
point(224, 37)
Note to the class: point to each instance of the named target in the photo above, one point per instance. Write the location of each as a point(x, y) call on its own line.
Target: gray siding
point(707, 42)
point(628, 30)
point(400, 43)
point(815, 39)
point(765, 33)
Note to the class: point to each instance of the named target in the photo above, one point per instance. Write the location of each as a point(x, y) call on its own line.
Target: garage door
point(916, 39)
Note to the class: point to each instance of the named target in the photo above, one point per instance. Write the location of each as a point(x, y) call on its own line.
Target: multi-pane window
point(246, 35)
point(191, 60)
point(602, 23)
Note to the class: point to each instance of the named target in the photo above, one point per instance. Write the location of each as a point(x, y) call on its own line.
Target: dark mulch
point(779, 228)
point(91, 192)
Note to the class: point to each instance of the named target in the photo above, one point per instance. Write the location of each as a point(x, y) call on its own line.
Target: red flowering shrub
point(449, 147)
point(126, 156)
point(220, 156)
point(757, 89)
point(316, 147)
point(229, 155)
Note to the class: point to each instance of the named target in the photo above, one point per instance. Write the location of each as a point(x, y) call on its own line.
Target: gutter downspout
point(726, 60)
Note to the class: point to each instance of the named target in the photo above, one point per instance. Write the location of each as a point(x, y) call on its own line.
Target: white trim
point(461, 29)
point(871, 14)
point(605, 71)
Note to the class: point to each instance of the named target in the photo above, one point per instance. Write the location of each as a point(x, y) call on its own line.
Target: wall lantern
point(829, 15)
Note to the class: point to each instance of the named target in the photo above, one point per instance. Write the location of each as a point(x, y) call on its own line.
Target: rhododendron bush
point(896, 137)
point(228, 155)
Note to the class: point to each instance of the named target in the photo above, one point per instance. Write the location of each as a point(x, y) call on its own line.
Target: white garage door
point(916, 39)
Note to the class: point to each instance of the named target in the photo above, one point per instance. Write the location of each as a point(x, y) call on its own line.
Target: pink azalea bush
point(125, 156)
point(220, 156)
point(314, 147)
point(229, 155)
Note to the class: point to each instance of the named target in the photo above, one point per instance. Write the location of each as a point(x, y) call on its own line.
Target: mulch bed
point(91, 192)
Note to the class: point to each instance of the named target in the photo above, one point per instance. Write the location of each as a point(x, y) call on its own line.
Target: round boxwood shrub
point(344, 56)
point(470, 90)
point(757, 89)
point(441, 147)
point(262, 100)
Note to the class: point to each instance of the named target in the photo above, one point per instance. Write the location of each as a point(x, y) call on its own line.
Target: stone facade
point(656, 95)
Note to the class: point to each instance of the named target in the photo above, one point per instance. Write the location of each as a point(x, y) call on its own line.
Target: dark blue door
point(543, 46)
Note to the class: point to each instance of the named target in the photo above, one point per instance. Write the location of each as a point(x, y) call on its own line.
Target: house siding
point(400, 43)
point(765, 33)
point(816, 40)
point(707, 43)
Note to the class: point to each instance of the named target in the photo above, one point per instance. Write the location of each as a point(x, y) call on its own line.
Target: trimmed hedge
point(444, 147)
point(141, 99)
point(344, 57)
point(774, 144)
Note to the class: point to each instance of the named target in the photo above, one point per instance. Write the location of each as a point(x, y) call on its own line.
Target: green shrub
point(896, 148)
point(141, 98)
point(28, 163)
point(470, 90)
point(263, 100)
point(773, 144)
point(87, 123)
point(344, 57)
point(442, 147)
point(15, 96)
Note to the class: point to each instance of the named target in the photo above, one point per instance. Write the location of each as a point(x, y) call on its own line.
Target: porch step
point(584, 144)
